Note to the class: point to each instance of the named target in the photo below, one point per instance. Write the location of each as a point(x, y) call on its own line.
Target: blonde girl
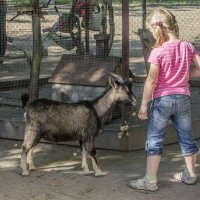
point(167, 86)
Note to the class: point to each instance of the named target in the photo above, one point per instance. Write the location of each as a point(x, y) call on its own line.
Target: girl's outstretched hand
point(143, 112)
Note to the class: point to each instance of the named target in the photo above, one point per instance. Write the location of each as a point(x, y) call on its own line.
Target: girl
point(167, 84)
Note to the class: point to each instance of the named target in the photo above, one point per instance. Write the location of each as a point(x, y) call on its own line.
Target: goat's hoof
point(86, 173)
point(100, 173)
point(26, 173)
point(32, 167)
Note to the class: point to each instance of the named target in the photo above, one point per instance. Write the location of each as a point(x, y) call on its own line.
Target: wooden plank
point(84, 70)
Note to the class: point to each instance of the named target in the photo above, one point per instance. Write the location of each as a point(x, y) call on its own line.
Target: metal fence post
point(125, 53)
point(144, 13)
point(36, 55)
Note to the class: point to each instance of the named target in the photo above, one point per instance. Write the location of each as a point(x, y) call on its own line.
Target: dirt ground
point(59, 177)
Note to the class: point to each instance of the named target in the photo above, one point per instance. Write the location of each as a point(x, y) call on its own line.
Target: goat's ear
point(113, 82)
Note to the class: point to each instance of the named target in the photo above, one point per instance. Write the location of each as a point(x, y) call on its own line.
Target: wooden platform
point(135, 140)
point(84, 70)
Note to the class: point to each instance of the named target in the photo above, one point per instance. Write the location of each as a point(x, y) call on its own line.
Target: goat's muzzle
point(131, 101)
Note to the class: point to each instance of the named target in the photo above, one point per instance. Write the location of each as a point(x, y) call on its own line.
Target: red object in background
point(80, 7)
point(82, 12)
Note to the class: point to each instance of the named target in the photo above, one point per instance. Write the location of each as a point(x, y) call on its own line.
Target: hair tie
point(158, 23)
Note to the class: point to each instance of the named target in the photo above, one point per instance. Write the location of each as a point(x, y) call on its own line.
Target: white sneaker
point(144, 184)
point(185, 177)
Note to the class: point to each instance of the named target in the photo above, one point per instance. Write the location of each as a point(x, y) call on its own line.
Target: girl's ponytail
point(159, 33)
point(160, 21)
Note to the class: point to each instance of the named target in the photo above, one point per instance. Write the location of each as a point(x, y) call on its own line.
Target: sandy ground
point(59, 177)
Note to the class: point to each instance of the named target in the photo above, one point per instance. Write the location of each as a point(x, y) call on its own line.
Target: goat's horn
point(118, 77)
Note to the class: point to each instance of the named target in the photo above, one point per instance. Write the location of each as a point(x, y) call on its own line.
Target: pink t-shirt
point(174, 61)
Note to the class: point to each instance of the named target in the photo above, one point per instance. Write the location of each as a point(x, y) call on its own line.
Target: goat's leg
point(85, 168)
point(30, 140)
point(23, 162)
point(92, 155)
point(96, 168)
point(30, 159)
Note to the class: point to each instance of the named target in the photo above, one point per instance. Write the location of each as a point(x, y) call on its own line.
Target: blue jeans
point(177, 109)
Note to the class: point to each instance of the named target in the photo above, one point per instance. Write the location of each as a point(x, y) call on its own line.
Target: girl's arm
point(148, 90)
point(195, 71)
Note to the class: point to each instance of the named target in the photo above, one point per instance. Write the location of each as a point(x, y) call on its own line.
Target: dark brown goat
point(83, 121)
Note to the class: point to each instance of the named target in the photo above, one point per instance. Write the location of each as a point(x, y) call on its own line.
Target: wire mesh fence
point(84, 38)
point(187, 16)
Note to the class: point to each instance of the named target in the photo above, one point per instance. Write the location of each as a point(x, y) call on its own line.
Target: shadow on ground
point(58, 175)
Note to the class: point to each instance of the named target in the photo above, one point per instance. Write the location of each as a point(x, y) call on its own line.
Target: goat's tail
point(24, 99)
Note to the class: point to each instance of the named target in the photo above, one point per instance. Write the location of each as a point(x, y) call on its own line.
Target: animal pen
point(64, 50)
